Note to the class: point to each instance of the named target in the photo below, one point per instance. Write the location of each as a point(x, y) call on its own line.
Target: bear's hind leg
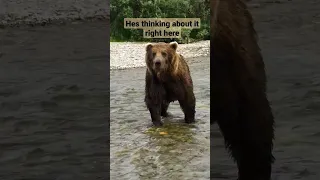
point(164, 109)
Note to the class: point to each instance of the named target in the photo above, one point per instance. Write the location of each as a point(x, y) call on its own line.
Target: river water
point(54, 99)
point(175, 151)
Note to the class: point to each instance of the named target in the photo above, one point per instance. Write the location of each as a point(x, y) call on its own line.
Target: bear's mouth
point(157, 69)
point(158, 74)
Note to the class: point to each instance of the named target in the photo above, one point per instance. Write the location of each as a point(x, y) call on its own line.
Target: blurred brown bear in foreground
point(167, 79)
point(239, 101)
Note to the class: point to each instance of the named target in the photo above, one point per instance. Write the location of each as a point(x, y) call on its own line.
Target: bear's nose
point(157, 63)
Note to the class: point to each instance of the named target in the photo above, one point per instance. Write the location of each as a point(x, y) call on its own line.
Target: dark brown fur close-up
point(168, 79)
point(239, 101)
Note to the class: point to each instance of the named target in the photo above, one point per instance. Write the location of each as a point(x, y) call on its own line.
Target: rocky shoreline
point(125, 55)
point(15, 13)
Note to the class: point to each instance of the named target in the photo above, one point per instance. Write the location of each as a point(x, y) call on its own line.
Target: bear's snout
point(157, 63)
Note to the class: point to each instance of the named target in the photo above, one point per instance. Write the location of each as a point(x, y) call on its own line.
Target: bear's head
point(162, 58)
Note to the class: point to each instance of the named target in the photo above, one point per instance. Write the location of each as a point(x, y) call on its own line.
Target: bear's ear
point(148, 46)
point(174, 45)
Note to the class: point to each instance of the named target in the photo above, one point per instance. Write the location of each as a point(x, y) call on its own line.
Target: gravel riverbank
point(33, 12)
point(132, 54)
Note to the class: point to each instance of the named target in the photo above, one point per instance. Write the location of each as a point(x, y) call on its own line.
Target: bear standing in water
point(239, 102)
point(167, 79)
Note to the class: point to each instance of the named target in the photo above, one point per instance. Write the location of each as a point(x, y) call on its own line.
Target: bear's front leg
point(187, 105)
point(154, 94)
point(155, 112)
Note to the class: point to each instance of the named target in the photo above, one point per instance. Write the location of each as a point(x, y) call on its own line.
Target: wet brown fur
point(240, 104)
point(172, 82)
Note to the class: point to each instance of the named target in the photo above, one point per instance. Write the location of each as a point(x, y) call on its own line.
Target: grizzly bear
point(238, 82)
point(167, 79)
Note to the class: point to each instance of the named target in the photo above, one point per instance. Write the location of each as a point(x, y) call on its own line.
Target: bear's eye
point(164, 54)
point(153, 54)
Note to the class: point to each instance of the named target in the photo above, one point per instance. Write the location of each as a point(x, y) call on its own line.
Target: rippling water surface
point(176, 151)
point(54, 99)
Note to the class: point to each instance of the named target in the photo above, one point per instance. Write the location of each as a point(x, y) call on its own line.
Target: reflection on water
point(176, 150)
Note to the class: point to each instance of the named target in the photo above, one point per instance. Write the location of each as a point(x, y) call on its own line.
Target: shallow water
point(54, 100)
point(175, 151)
